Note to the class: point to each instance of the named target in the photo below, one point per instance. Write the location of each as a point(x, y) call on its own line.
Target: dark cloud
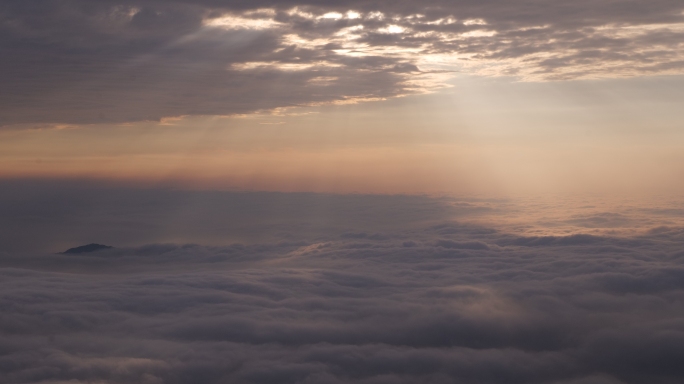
point(418, 298)
point(119, 61)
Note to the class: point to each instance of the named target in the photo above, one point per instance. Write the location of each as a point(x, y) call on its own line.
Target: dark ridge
point(87, 248)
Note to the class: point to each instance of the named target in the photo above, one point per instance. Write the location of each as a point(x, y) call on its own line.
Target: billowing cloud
point(120, 61)
point(438, 293)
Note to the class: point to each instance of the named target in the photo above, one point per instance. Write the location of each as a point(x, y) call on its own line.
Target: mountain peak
point(92, 247)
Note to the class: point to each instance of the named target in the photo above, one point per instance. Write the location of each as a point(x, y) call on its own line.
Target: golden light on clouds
point(478, 47)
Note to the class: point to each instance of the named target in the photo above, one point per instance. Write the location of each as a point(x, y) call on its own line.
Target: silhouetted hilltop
point(87, 248)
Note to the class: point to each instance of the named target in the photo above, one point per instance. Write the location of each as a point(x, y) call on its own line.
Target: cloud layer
point(121, 61)
point(427, 300)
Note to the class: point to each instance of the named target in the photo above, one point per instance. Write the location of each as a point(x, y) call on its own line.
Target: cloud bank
point(430, 300)
point(81, 62)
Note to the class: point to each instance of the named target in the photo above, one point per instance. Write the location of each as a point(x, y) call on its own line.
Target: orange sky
point(477, 137)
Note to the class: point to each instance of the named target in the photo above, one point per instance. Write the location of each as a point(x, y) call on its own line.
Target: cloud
point(80, 62)
point(468, 300)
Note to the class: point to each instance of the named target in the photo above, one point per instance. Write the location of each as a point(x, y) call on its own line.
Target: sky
point(436, 97)
point(342, 191)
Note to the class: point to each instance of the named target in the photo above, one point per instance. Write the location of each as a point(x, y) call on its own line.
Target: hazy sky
point(342, 191)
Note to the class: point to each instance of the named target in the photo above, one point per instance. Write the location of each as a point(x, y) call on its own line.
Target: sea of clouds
point(375, 289)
